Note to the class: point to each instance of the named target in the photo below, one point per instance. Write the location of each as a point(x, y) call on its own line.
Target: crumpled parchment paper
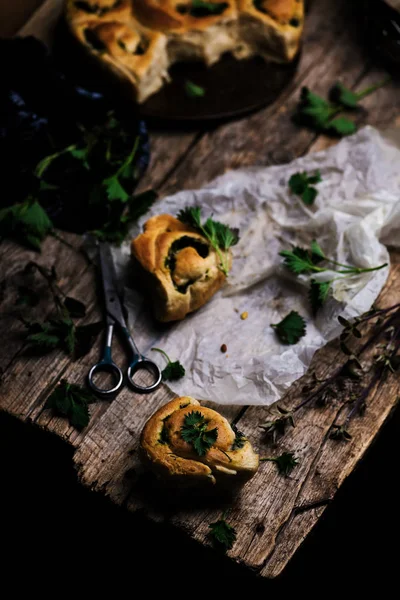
point(356, 213)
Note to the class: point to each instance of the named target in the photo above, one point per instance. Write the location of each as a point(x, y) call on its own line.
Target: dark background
point(56, 535)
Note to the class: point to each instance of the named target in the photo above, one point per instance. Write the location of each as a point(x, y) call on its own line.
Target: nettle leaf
point(291, 329)
point(27, 222)
point(71, 400)
point(342, 126)
point(301, 185)
point(344, 96)
point(318, 293)
point(299, 260)
point(222, 535)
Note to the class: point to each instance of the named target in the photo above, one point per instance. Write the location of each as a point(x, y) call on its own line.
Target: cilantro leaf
point(291, 328)
point(285, 462)
point(301, 185)
point(318, 293)
point(71, 401)
point(194, 431)
point(193, 90)
point(174, 370)
point(222, 535)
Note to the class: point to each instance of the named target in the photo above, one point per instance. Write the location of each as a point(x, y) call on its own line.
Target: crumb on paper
point(223, 348)
point(244, 315)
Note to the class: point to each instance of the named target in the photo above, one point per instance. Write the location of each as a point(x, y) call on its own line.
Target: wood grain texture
point(272, 514)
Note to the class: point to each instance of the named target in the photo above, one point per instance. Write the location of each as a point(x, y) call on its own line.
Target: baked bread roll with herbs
point(139, 40)
point(182, 263)
point(188, 444)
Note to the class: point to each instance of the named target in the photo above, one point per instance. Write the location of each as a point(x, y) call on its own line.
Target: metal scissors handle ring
point(115, 316)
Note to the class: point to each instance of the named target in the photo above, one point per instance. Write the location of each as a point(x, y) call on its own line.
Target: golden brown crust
point(184, 269)
point(175, 460)
point(173, 30)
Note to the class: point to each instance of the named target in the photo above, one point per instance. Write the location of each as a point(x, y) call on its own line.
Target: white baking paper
point(356, 213)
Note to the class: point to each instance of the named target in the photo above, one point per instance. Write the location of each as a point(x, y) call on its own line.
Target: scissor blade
point(110, 285)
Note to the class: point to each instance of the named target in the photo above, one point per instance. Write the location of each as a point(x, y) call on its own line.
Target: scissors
point(115, 316)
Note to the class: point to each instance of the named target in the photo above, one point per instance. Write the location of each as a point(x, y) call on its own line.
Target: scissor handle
point(141, 363)
point(105, 366)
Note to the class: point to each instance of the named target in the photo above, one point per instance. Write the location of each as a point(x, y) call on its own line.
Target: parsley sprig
point(322, 115)
point(302, 261)
point(285, 462)
point(71, 401)
point(220, 236)
point(194, 431)
point(222, 535)
point(174, 370)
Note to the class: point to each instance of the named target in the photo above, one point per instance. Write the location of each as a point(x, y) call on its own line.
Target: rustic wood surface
point(273, 514)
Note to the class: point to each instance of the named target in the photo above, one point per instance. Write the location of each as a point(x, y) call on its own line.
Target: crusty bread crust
point(183, 270)
point(140, 39)
point(175, 461)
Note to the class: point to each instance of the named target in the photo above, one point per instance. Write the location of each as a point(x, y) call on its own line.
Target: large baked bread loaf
point(140, 39)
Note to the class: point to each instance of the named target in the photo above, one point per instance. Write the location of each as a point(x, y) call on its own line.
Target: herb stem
point(47, 160)
point(163, 353)
point(372, 88)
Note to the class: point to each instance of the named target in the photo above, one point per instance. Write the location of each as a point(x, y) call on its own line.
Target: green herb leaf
point(285, 462)
point(291, 328)
point(174, 370)
point(194, 91)
point(301, 185)
point(222, 535)
point(344, 96)
point(27, 222)
point(124, 214)
point(54, 333)
point(318, 293)
point(71, 401)
point(220, 236)
point(276, 427)
point(300, 260)
point(194, 431)
point(342, 126)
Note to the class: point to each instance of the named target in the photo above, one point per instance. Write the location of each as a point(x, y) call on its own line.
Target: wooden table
point(273, 514)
